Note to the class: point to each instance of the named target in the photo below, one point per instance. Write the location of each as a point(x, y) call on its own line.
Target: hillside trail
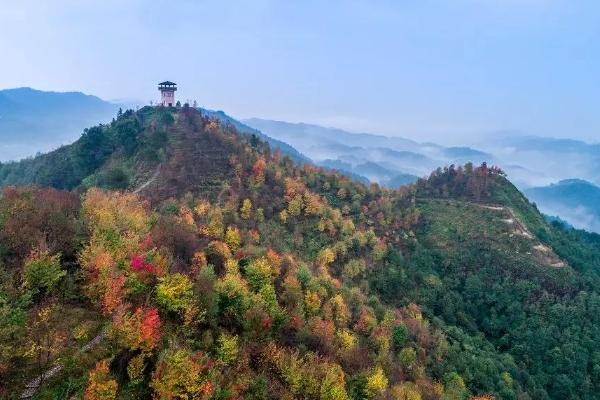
point(149, 181)
point(520, 228)
point(543, 252)
point(32, 386)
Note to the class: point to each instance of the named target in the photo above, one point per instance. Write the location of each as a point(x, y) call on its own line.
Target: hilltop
point(186, 258)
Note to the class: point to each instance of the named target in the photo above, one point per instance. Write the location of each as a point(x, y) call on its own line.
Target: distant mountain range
point(391, 161)
point(35, 121)
point(574, 200)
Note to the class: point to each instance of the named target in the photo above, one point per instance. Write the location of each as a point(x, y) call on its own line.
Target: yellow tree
point(181, 374)
point(246, 209)
point(101, 386)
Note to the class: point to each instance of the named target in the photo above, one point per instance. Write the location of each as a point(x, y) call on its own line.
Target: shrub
point(42, 271)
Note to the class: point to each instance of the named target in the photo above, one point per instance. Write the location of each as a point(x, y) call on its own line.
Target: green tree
point(42, 271)
point(228, 348)
point(175, 293)
point(454, 387)
point(407, 357)
point(399, 336)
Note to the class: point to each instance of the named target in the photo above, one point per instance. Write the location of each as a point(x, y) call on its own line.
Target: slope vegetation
point(233, 272)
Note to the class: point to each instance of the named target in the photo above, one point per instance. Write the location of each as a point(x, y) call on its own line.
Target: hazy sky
point(432, 70)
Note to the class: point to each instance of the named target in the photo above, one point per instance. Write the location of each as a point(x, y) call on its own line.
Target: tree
point(326, 257)
point(34, 217)
point(312, 204)
point(100, 385)
point(233, 298)
point(181, 374)
point(227, 349)
point(175, 293)
point(407, 357)
point(333, 383)
point(399, 336)
point(259, 273)
point(354, 268)
point(376, 383)
point(258, 170)
point(215, 222)
point(232, 238)
point(454, 387)
point(246, 209)
point(405, 391)
point(42, 271)
point(295, 206)
point(312, 303)
point(137, 331)
point(283, 216)
point(338, 309)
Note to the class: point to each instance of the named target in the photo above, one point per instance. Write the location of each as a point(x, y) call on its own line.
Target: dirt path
point(543, 252)
point(520, 228)
point(149, 181)
point(32, 386)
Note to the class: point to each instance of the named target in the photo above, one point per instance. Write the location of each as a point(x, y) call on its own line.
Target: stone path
point(149, 181)
point(32, 386)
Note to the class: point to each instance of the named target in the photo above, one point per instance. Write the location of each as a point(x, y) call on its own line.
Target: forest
point(165, 255)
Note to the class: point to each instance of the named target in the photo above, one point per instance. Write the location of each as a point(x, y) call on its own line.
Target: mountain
point(394, 156)
point(575, 200)
point(34, 121)
point(168, 255)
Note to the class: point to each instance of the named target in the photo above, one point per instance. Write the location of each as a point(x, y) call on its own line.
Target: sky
point(440, 70)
